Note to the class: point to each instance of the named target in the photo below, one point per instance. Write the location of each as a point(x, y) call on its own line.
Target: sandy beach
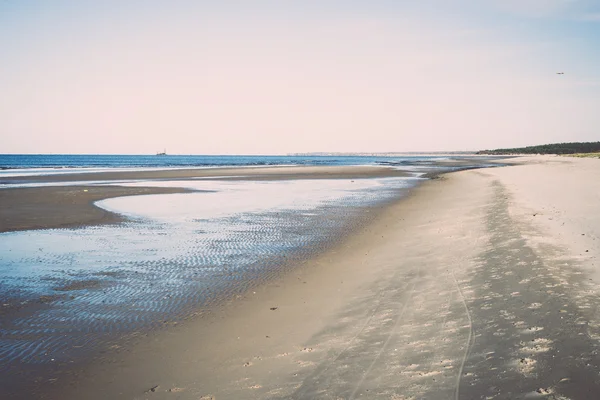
point(480, 284)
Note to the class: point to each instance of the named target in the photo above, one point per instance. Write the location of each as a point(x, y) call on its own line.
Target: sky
point(278, 77)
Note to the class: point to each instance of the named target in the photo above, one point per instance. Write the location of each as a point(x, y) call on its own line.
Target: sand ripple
point(70, 293)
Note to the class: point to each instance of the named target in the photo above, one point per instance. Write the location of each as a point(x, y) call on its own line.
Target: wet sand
point(480, 284)
point(253, 173)
point(63, 206)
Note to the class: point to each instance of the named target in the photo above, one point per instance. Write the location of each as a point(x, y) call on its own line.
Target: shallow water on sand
point(68, 292)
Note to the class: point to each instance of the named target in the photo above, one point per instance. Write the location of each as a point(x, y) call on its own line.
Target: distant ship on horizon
point(162, 153)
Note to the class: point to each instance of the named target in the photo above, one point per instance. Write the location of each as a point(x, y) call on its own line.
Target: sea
point(68, 294)
point(43, 164)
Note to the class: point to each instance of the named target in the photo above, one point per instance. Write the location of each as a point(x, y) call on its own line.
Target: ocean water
point(26, 164)
point(61, 161)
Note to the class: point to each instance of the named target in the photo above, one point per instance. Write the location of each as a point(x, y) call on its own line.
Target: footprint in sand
point(526, 366)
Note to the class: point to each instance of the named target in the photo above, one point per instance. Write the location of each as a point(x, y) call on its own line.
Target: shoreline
point(70, 375)
point(246, 332)
point(71, 206)
point(502, 255)
point(211, 310)
point(80, 207)
point(393, 309)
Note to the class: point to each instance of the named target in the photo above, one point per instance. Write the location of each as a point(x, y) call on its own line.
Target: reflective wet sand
point(70, 293)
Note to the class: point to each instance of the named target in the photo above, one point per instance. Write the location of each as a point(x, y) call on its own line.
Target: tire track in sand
point(388, 339)
point(469, 340)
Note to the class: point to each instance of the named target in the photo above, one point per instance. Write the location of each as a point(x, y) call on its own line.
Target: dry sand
point(477, 286)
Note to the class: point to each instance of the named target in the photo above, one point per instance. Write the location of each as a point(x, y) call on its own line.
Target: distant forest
point(555, 148)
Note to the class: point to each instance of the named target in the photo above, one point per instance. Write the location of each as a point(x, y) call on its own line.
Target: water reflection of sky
point(225, 198)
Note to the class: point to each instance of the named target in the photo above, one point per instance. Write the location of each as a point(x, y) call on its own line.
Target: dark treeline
point(555, 148)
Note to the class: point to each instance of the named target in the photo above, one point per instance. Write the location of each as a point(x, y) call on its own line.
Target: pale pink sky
point(267, 78)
